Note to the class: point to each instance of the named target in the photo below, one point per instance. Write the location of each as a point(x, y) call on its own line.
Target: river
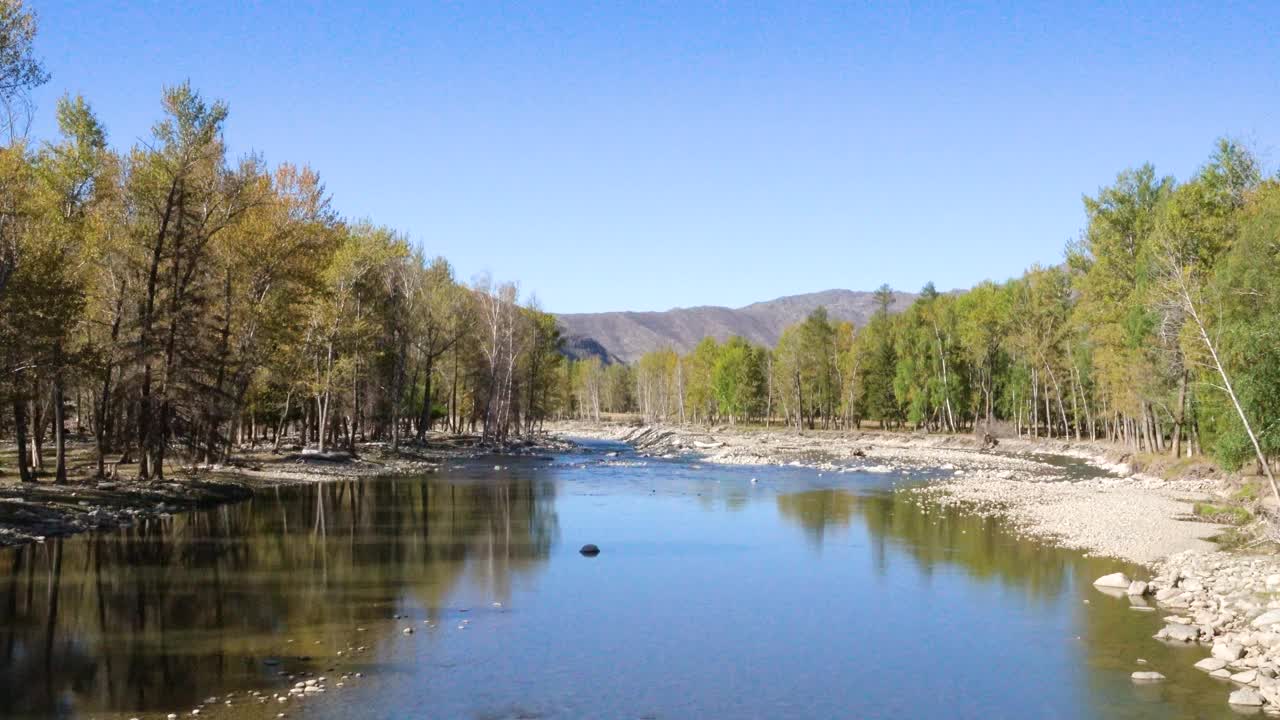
point(725, 592)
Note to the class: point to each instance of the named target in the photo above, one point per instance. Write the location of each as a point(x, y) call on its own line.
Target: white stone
point(1245, 696)
point(1137, 588)
point(1246, 677)
point(1227, 651)
point(1210, 664)
point(1114, 580)
point(1179, 633)
point(1269, 617)
point(1147, 676)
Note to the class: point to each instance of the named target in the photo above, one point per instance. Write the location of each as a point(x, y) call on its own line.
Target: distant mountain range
point(625, 336)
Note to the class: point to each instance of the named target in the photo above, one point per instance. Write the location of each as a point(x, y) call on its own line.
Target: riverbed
point(720, 591)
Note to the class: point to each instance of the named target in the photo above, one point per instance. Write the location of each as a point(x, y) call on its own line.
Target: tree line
point(1161, 330)
point(170, 302)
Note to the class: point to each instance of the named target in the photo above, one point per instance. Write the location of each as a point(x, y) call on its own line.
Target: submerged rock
point(590, 550)
point(1114, 580)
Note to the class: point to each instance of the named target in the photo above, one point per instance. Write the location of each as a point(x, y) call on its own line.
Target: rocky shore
point(33, 512)
point(1227, 603)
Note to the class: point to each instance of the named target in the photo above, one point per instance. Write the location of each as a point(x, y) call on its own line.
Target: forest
point(1160, 330)
point(170, 301)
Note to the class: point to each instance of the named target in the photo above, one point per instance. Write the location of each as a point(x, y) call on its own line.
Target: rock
point(408, 631)
point(1114, 580)
point(1270, 617)
point(1247, 697)
point(1179, 633)
point(1210, 664)
point(1246, 677)
point(1147, 676)
point(1221, 674)
point(1227, 651)
point(590, 550)
point(1137, 588)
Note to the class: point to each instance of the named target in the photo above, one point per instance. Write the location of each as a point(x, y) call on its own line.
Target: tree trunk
point(20, 426)
point(1231, 393)
point(59, 429)
point(1179, 420)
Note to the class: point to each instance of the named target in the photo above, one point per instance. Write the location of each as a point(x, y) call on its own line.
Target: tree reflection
point(170, 611)
point(933, 536)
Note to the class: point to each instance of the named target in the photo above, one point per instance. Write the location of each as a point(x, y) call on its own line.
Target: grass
point(1223, 514)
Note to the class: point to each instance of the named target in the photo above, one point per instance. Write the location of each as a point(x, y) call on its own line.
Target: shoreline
point(34, 512)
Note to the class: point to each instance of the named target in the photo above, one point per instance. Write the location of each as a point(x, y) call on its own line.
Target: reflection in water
point(932, 536)
point(169, 612)
point(816, 510)
point(707, 602)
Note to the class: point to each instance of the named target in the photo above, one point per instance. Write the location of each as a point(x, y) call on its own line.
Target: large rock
point(1227, 651)
point(1178, 632)
point(1245, 677)
point(1247, 697)
point(1210, 664)
point(1137, 588)
point(1114, 580)
point(1270, 617)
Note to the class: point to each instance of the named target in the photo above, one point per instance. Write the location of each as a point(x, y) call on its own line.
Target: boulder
point(1227, 651)
point(1270, 617)
point(1247, 697)
point(1137, 588)
point(1245, 677)
point(1210, 664)
point(1114, 580)
point(1177, 632)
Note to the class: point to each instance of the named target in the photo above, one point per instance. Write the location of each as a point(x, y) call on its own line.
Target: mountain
point(628, 335)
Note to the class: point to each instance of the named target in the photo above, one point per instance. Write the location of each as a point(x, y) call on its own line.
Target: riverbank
point(1108, 509)
point(32, 512)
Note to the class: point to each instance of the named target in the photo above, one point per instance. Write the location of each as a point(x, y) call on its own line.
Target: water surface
point(720, 592)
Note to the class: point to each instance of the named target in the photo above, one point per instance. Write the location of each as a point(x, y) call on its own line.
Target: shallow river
point(800, 595)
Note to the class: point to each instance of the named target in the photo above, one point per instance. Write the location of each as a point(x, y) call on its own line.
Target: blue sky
point(650, 155)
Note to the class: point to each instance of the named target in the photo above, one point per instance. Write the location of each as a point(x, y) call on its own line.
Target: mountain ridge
point(625, 335)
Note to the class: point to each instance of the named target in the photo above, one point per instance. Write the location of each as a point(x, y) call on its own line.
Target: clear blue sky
point(651, 155)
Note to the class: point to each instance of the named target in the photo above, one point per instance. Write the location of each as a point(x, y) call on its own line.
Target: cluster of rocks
point(1228, 603)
